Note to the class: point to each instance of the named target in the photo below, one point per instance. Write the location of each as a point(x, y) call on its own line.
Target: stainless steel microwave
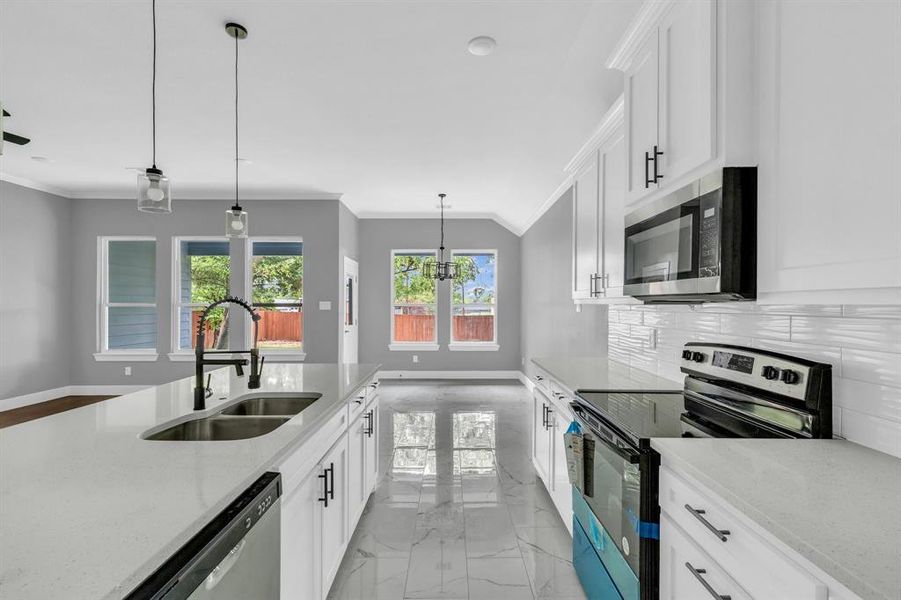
point(697, 244)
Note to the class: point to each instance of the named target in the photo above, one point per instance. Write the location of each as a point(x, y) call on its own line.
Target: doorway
point(351, 303)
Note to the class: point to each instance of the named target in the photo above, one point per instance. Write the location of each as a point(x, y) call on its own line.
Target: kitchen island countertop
point(88, 509)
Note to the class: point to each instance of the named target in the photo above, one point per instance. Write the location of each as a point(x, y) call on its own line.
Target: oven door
point(612, 489)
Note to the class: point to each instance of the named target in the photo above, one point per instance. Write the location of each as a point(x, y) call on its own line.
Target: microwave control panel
point(709, 252)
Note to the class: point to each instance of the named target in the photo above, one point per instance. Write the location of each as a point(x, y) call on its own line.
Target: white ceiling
point(378, 101)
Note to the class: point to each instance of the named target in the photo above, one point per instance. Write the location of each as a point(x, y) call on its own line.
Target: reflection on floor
point(459, 512)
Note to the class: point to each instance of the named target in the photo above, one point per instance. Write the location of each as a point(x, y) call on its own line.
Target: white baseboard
point(68, 390)
point(449, 375)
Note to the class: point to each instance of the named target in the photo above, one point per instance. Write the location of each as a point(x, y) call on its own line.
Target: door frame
point(350, 266)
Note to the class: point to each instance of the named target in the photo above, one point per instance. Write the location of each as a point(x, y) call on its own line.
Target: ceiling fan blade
point(12, 138)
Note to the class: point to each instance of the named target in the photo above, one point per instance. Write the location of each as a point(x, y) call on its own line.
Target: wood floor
point(44, 409)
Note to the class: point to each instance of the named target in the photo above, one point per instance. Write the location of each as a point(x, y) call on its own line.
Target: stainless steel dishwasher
point(234, 557)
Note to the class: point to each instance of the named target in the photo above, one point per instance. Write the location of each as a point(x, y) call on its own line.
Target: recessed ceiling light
point(482, 45)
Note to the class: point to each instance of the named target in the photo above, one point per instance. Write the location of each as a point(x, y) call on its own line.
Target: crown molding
point(517, 231)
point(34, 185)
point(610, 125)
point(645, 21)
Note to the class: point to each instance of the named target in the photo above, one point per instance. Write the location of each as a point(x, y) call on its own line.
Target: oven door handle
point(624, 453)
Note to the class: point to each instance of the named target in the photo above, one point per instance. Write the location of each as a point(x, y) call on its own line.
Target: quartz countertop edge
point(841, 517)
point(91, 509)
point(603, 374)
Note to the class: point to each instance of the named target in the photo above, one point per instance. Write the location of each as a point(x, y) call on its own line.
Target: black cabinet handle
point(657, 154)
point(368, 430)
point(550, 411)
point(324, 477)
point(698, 513)
point(544, 415)
point(698, 573)
point(331, 487)
point(647, 180)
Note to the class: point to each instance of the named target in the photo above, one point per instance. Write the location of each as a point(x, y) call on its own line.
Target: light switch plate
point(325, 305)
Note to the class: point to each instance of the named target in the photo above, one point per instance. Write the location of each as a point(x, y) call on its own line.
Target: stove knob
point(770, 372)
point(790, 377)
point(686, 355)
point(698, 356)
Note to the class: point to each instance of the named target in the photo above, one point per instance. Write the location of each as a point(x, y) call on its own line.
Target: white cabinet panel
point(641, 91)
point(687, 102)
point(356, 469)
point(371, 466)
point(541, 444)
point(829, 203)
point(585, 227)
point(300, 540)
point(334, 515)
point(562, 491)
point(613, 193)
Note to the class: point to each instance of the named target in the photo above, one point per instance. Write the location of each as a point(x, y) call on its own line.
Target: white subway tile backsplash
point(862, 343)
point(879, 434)
point(883, 335)
point(774, 327)
point(875, 367)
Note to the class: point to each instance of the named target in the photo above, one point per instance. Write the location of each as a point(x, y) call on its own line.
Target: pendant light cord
point(442, 227)
point(237, 206)
point(153, 87)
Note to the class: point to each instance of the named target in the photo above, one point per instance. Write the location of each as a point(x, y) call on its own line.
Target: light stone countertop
point(603, 374)
point(836, 503)
point(88, 509)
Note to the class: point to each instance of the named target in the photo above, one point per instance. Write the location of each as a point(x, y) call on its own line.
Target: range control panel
point(776, 374)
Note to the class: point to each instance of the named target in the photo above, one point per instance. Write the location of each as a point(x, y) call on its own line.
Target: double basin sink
point(246, 419)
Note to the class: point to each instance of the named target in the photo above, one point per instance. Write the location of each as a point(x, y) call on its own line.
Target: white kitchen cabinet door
point(613, 194)
point(562, 490)
point(640, 113)
point(830, 148)
point(356, 470)
point(687, 101)
point(541, 443)
point(687, 572)
point(586, 223)
point(301, 539)
point(334, 513)
point(371, 443)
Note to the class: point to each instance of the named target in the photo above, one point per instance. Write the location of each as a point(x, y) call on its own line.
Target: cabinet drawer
point(687, 572)
point(358, 401)
point(372, 390)
point(751, 561)
point(542, 381)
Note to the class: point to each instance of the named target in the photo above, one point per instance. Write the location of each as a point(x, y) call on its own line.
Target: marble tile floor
point(459, 512)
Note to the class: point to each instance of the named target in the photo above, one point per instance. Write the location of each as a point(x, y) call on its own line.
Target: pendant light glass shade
point(153, 187)
point(153, 192)
point(236, 222)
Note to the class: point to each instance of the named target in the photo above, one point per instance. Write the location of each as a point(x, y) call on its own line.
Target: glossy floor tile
point(459, 512)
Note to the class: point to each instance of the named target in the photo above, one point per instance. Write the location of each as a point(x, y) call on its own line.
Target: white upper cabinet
point(830, 149)
point(599, 187)
point(641, 90)
point(688, 81)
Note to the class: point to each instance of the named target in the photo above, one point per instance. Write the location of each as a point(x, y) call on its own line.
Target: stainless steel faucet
point(201, 391)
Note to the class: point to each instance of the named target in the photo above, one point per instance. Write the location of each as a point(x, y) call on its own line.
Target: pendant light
point(153, 187)
point(440, 269)
point(236, 217)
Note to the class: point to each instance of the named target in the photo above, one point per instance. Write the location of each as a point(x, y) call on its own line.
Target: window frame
point(104, 353)
point(182, 354)
point(274, 353)
point(409, 346)
point(489, 346)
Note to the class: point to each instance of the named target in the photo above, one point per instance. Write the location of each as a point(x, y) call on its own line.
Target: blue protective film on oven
point(593, 576)
point(644, 529)
point(574, 428)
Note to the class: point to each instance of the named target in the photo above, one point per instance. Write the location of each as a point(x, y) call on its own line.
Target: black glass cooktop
point(639, 415)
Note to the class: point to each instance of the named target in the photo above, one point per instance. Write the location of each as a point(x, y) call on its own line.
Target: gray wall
point(35, 283)
point(379, 236)
point(314, 220)
point(550, 323)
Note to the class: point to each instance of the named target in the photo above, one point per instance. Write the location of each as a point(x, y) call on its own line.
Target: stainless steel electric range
point(729, 391)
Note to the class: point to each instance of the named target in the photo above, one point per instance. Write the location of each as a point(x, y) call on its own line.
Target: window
point(413, 309)
point(127, 309)
point(276, 292)
point(474, 301)
point(201, 276)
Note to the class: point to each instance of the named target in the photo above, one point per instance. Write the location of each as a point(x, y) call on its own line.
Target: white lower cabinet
point(550, 420)
point(323, 500)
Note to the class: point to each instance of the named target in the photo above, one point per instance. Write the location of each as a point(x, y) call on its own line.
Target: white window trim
point(184, 354)
point(104, 354)
point(493, 345)
point(271, 354)
point(409, 346)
